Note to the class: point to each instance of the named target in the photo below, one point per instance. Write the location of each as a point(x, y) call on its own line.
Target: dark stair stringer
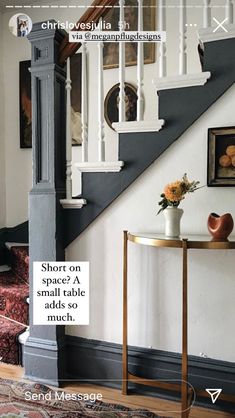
point(18, 233)
point(180, 108)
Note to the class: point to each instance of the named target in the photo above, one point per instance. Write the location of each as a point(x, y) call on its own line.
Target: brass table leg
point(124, 345)
point(184, 387)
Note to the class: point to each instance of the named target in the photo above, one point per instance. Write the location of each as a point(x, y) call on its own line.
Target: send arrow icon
point(214, 394)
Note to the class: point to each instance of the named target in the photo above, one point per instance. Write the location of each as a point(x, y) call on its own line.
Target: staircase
point(181, 98)
point(180, 108)
point(14, 309)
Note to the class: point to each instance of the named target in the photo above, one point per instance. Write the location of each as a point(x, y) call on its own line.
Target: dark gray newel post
point(45, 348)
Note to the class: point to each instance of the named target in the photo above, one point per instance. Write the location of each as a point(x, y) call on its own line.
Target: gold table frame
point(200, 242)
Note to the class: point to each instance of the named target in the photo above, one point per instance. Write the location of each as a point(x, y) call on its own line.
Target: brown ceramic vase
point(220, 227)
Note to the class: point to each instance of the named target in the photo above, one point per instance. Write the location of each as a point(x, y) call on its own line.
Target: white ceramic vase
point(172, 221)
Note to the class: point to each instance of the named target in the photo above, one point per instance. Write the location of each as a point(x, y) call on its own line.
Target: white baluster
point(122, 64)
point(101, 142)
point(140, 66)
point(229, 12)
point(183, 45)
point(207, 14)
point(68, 86)
point(162, 45)
point(84, 104)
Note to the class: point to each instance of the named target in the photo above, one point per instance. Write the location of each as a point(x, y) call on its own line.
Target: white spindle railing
point(101, 136)
point(229, 11)
point(84, 107)
point(162, 45)
point(162, 82)
point(140, 66)
point(122, 65)
point(183, 44)
point(207, 14)
point(68, 87)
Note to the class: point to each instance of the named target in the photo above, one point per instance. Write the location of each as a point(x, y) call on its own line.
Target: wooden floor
point(161, 407)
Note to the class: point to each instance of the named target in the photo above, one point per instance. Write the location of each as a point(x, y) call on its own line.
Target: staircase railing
point(98, 9)
point(163, 80)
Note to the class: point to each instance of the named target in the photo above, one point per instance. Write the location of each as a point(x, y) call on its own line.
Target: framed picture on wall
point(26, 105)
point(221, 157)
point(76, 99)
point(111, 49)
point(111, 104)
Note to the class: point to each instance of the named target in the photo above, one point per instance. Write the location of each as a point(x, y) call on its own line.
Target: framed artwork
point(111, 104)
point(221, 157)
point(76, 99)
point(111, 49)
point(26, 104)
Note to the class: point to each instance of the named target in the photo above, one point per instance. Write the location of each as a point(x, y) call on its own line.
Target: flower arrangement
point(175, 192)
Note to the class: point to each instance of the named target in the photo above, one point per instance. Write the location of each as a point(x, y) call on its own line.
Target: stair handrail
point(97, 10)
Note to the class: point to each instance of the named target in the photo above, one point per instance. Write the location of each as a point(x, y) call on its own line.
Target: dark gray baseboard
point(2, 244)
point(17, 233)
point(100, 362)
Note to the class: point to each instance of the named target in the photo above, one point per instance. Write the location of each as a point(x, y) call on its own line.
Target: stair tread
point(22, 252)
point(9, 244)
point(20, 261)
point(4, 268)
point(10, 278)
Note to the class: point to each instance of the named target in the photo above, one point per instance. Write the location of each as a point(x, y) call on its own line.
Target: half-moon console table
point(157, 240)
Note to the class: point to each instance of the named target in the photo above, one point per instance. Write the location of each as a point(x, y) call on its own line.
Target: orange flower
point(173, 191)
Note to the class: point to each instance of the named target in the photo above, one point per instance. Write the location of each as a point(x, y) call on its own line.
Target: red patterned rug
point(14, 309)
point(20, 262)
point(25, 400)
point(13, 296)
point(9, 346)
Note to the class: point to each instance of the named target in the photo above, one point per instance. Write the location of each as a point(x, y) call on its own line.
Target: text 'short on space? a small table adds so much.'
point(202, 242)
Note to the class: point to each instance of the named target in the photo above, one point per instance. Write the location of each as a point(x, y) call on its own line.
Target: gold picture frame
point(221, 157)
point(111, 104)
point(111, 49)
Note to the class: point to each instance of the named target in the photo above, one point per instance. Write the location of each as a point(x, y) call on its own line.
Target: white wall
point(2, 159)
point(155, 274)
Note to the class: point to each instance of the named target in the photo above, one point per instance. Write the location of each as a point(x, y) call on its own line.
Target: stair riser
point(14, 292)
point(20, 265)
point(17, 310)
point(9, 357)
point(9, 346)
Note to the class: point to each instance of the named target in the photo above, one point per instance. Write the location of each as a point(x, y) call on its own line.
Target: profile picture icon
point(20, 25)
